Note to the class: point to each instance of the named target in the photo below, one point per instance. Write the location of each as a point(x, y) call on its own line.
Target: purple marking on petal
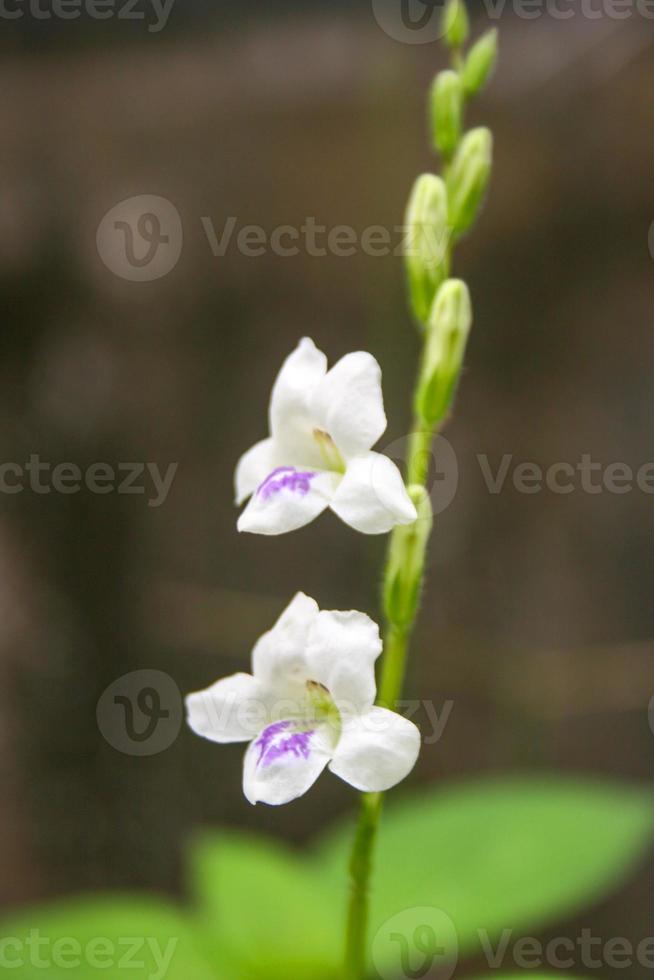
point(286, 478)
point(272, 747)
point(268, 736)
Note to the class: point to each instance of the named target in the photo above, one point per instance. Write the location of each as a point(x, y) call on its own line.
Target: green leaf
point(513, 853)
point(272, 911)
point(83, 939)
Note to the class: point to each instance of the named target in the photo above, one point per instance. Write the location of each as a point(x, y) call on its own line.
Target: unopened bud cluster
point(442, 208)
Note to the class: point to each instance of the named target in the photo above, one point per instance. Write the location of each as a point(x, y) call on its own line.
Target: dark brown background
point(539, 620)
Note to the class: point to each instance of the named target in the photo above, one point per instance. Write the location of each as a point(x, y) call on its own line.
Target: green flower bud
point(468, 178)
point(406, 561)
point(425, 249)
point(480, 63)
point(455, 24)
point(447, 334)
point(446, 110)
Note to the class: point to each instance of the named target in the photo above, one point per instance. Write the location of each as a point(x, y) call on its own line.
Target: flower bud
point(425, 250)
point(468, 178)
point(406, 562)
point(447, 334)
point(455, 25)
point(446, 110)
point(480, 63)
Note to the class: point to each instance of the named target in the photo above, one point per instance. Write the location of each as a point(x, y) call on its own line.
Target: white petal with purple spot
point(283, 763)
point(253, 468)
point(288, 499)
point(307, 704)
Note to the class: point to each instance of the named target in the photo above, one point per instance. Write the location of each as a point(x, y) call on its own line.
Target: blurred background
point(538, 623)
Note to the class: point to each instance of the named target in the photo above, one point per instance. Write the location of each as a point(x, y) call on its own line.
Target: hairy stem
point(404, 571)
point(396, 646)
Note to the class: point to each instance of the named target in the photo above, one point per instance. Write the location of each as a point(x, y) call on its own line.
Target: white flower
point(309, 703)
point(323, 425)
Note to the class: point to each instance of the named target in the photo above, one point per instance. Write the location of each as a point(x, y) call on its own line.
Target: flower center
point(323, 710)
point(329, 451)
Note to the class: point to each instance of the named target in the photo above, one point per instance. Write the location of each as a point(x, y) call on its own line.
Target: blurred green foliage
point(515, 853)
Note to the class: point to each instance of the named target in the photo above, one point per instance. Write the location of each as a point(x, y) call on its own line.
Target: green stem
point(360, 870)
point(396, 646)
point(419, 454)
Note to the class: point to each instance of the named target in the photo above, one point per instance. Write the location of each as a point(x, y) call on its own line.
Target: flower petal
point(231, 710)
point(341, 651)
point(253, 467)
point(279, 656)
point(283, 762)
point(372, 497)
point(376, 750)
point(291, 423)
point(348, 403)
point(288, 499)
